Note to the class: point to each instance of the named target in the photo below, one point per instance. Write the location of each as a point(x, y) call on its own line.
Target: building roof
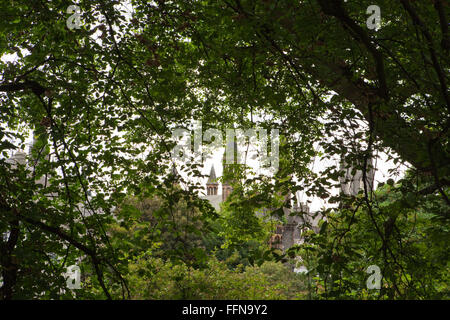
point(214, 200)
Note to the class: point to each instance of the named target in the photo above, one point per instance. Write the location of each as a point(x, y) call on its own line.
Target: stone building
point(286, 234)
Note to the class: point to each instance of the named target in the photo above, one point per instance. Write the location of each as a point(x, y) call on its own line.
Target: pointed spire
point(175, 176)
point(174, 171)
point(212, 176)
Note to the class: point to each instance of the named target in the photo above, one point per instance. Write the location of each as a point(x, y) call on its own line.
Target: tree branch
point(440, 73)
point(25, 85)
point(335, 9)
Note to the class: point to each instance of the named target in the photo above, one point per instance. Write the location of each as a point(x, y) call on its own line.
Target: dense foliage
point(102, 101)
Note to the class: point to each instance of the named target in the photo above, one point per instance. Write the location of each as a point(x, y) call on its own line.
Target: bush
point(152, 278)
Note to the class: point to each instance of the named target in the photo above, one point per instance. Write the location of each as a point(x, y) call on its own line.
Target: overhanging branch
point(24, 85)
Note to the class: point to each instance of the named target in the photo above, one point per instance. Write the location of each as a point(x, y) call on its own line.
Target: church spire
point(174, 171)
point(175, 176)
point(212, 176)
point(212, 184)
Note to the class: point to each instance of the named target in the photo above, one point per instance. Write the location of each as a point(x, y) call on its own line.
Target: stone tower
point(226, 190)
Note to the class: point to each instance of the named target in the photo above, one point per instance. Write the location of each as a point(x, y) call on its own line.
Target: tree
point(168, 224)
point(413, 266)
